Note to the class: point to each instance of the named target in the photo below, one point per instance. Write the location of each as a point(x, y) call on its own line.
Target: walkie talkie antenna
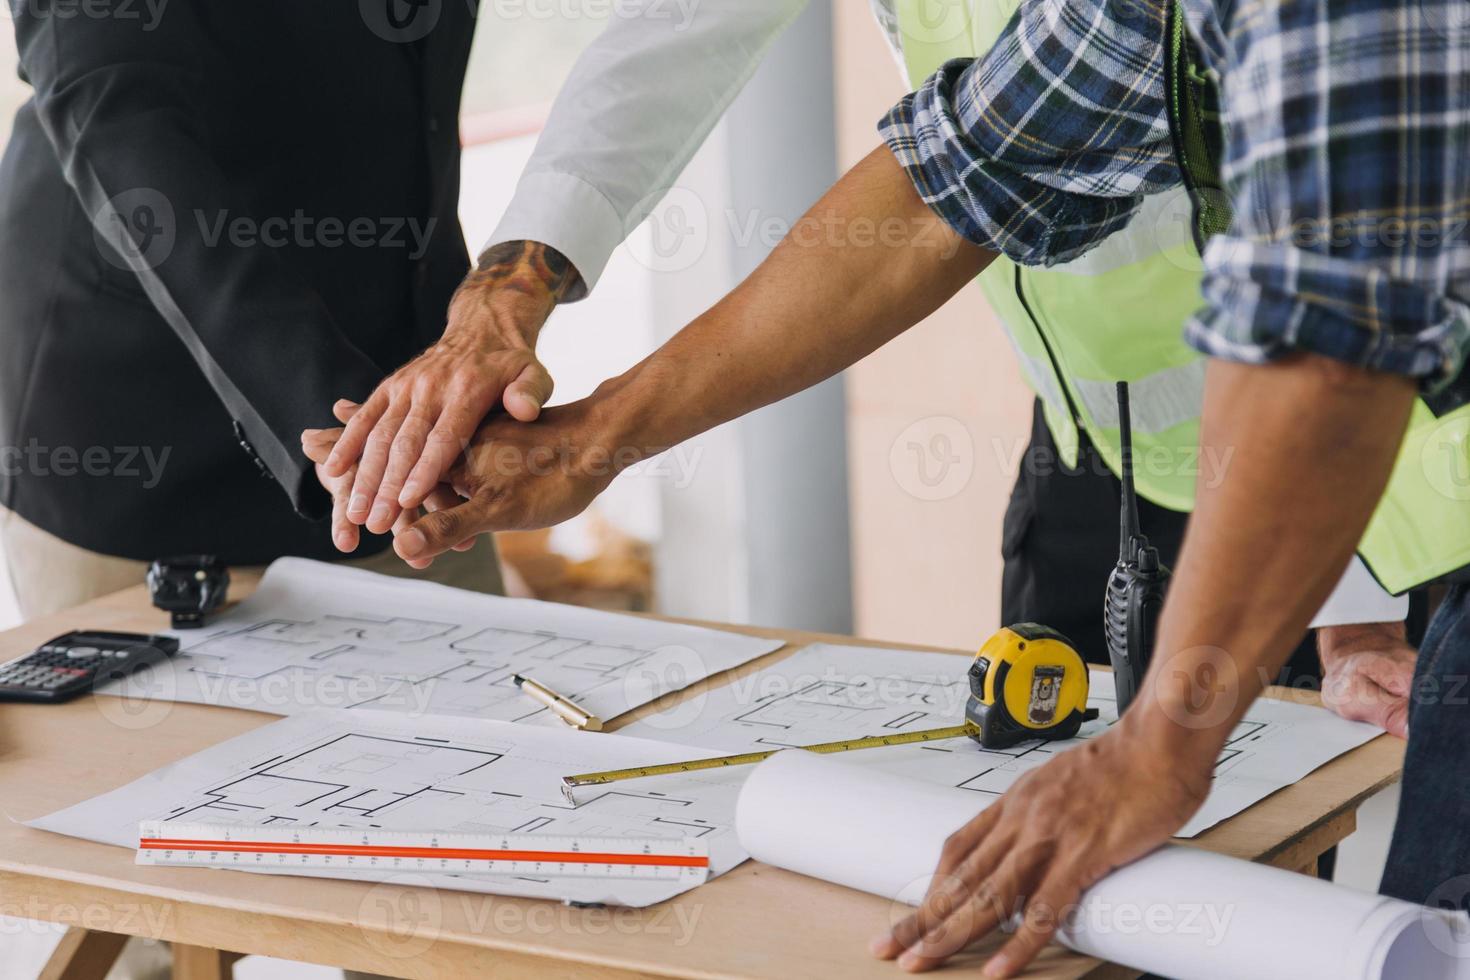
point(1128, 524)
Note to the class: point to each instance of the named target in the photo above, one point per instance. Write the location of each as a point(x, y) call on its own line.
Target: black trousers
point(1061, 542)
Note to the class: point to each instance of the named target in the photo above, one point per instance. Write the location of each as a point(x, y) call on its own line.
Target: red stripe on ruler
point(382, 850)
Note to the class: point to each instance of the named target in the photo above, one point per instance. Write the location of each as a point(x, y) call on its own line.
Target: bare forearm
point(867, 262)
point(1310, 445)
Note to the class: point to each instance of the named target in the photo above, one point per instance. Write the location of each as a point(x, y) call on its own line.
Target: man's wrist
point(509, 294)
point(1340, 641)
point(1188, 706)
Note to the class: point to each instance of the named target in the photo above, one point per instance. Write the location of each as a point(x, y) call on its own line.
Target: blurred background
point(870, 505)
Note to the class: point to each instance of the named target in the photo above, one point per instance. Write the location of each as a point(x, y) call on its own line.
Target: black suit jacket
point(213, 223)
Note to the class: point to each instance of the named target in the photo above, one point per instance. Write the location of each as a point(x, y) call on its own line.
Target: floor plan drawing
point(317, 635)
point(826, 693)
point(364, 768)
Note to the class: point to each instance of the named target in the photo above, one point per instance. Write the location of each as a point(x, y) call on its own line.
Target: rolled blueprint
point(1180, 912)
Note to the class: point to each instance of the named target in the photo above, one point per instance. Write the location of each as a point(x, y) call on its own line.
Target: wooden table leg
point(83, 955)
point(201, 963)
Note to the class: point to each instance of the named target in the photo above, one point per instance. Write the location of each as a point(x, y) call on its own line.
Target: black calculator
point(75, 663)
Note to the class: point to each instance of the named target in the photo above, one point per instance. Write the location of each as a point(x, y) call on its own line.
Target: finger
point(403, 523)
point(986, 906)
point(1045, 913)
point(949, 885)
point(528, 392)
point(317, 443)
point(359, 426)
point(963, 843)
point(442, 447)
point(442, 498)
point(433, 534)
point(407, 446)
point(343, 410)
point(344, 533)
point(372, 464)
point(1395, 676)
point(1395, 718)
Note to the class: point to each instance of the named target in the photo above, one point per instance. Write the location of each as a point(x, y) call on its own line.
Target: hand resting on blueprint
point(1368, 674)
point(1058, 830)
point(418, 421)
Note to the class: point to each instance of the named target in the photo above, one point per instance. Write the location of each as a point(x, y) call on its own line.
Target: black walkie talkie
point(1136, 588)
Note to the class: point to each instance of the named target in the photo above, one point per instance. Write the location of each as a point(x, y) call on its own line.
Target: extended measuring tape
point(750, 758)
point(1026, 682)
point(344, 849)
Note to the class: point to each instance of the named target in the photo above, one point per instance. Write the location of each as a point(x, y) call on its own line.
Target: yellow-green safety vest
point(1117, 314)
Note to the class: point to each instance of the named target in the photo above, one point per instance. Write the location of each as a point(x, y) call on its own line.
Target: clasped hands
point(457, 442)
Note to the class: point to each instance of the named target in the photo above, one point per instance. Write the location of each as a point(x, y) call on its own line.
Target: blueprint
point(321, 635)
point(362, 768)
point(826, 693)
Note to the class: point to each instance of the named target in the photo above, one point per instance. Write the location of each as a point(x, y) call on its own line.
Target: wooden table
point(757, 921)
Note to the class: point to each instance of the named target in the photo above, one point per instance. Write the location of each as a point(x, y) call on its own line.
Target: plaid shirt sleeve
point(1047, 144)
point(1348, 162)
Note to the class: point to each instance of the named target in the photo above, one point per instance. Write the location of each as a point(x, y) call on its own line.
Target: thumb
point(528, 392)
point(1395, 718)
point(433, 534)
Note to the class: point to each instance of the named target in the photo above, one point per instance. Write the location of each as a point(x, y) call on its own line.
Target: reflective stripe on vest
point(1115, 314)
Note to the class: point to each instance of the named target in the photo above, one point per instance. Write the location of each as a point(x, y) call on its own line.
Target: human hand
point(317, 444)
point(1368, 673)
point(412, 429)
point(1060, 828)
point(519, 476)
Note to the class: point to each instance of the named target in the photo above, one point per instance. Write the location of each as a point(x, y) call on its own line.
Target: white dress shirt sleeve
point(638, 103)
point(1359, 598)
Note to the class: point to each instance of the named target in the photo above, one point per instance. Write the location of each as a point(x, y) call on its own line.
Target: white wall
point(762, 534)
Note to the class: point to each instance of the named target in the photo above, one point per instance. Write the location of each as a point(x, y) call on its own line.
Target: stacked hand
point(398, 447)
point(512, 475)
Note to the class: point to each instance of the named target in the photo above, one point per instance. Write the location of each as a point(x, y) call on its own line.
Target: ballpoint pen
point(569, 712)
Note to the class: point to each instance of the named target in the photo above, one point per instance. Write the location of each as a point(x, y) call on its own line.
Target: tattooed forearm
point(527, 267)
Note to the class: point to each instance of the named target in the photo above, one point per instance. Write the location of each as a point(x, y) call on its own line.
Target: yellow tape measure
point(1027, 682)
point(750, 758)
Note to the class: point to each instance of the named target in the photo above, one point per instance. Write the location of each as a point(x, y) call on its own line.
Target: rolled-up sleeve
point(1047, 144)
point(1346, 166)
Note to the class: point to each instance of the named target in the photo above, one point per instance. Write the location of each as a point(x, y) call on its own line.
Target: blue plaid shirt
point(1347, 160)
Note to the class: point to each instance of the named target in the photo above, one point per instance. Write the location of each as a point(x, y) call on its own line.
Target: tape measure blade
point(750, 758)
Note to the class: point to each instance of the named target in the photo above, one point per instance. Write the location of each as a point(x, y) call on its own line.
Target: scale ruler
point(345, 849)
